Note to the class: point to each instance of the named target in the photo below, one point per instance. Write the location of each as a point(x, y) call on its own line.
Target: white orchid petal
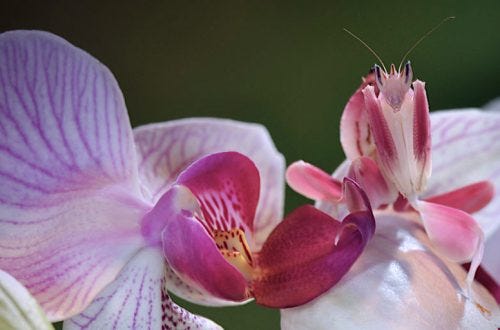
point(18, 309)
point(398, 283)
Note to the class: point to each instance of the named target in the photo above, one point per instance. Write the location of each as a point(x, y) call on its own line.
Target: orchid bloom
point(410, 275)
point(99, 221)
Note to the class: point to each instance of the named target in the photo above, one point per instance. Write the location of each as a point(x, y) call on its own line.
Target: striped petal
point(398, 283)
point(69, 212)
point(466, 149)
point(18, 309)
point(166, 149)
point(137, 300)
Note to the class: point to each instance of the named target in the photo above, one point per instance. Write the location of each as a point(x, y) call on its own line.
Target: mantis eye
point(379, 76)
point(407, 74)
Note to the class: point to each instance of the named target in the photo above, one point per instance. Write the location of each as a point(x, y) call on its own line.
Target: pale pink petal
point(312, 182)
point(137, 300)
point(398, 283)
point(466, 149)
point(355, 133)
point(227, 186)
point(470, 198)
point(69, 208)
point(166, 149)
point(366, 173)
point(453, 232)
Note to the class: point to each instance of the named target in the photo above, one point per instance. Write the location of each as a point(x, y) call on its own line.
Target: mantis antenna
point(368, 47)
point(422, 38)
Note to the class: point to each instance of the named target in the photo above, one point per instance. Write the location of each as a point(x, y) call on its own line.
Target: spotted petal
point(466, 149)
point(68, 205)
point(137, 300)
point(166, 149)
point(398, 282)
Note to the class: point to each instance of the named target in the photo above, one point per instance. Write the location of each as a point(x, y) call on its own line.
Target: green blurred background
point(287, 65)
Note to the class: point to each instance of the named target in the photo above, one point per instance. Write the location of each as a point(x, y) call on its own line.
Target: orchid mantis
point(386, 134)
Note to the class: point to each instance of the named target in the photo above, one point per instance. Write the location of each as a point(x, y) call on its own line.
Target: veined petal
point(453, 232)
point(137, 300)
point(466, 149)
point(308, 253)
point(398, 282)
point(227, 186)
point(355, 133)
point(366, 173)
point(312, 182)
point(470, 199)
point(195, 258)
point(166, 149)
point(69, 207)
point(18, 308)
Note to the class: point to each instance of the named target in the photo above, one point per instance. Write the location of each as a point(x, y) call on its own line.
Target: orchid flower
point(410, 274)
point(18, 309)
point(100, 221)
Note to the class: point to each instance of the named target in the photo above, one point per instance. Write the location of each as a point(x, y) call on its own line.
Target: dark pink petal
point(470, 199)
point(166, 149)
point(137, 299)
point(307, 254)
point(466, 149)
point(69, 196)
point(421, 124)
point(366, 173)
point(312, 182)
point(453, 232)
point(193, 255)
point(355, 133)
point(380, 128)
point(227, 186)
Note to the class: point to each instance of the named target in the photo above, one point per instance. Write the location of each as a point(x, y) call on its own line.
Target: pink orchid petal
point(421, 136)
point(69, 208)
point(355, 133)
point(312, 182)
point(366, 173)
point(453, 232)
point(137, 300)
point(308, 253)
point(466, 149)
point(195, 258)
point(194, 293)
point(398, 283)
point(166, 149)
point(227, 186)
point(470, 199)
